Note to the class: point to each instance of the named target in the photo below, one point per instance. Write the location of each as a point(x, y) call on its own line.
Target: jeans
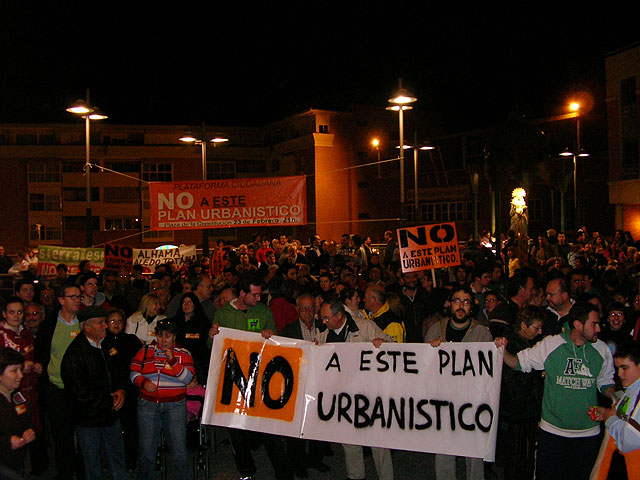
point(354, 461)
point(560, 458)
point(61, 420)
point(172, 418)
point(91, 439)
point(446, 467)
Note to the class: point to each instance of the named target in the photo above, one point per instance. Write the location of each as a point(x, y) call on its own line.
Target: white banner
point(150, 258)
point(400, 396)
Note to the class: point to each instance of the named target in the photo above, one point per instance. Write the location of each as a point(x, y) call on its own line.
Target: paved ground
point(407, 465)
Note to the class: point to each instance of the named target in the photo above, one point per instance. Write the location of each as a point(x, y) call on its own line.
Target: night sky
point(248, 65)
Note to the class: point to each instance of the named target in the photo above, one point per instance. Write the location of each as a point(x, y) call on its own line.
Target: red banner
point(238, 202)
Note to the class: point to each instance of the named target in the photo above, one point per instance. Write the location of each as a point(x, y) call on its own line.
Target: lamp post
point(84, 109)
point(203, 142)
point(416, 150)
point(375, 143)
point(400, 101)
point(575, 155)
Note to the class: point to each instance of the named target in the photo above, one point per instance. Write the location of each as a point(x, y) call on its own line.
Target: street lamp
point(575, 155)
point(375, 143)
point(400, 101)
point(416, 149)
point(84, 109)
point(216, 139)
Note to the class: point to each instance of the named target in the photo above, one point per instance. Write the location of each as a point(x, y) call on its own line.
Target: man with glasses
point(33, 316)
point(341, 328)
point(460, 327)
point(304, 329)
point(54, 337)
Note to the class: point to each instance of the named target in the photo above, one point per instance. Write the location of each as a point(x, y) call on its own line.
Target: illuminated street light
point(216, 139)
point(84, 109)
point(568, 153)
point(375, 143)
point(400, 101)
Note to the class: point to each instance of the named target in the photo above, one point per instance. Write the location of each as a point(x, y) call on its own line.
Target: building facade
point(351, 187)
point(623, 76)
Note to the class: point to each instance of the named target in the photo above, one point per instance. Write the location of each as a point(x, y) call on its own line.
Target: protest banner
point(49, 256)
point(401, 396)
point(150, 258)
point(228, 203)
point(256, 384)
point(428, 247)
point(118, 257)
point(406, 396)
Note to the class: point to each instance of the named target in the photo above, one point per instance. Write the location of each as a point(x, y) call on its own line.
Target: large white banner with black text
point(399, 396)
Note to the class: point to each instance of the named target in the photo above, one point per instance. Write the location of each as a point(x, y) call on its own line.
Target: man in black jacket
point(94, 379)
point(304, 329)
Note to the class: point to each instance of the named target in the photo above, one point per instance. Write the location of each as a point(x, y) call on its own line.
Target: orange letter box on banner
point(258, 380)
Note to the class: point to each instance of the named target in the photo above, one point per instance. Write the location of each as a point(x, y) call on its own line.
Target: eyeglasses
point(326, 319)
point(458, 301)
point(35, 314)
point(310, 309)
point(74, 297)
point(616, 314)
point(115, 320)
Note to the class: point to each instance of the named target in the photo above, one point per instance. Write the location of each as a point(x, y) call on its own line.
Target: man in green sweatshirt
point(577, 365)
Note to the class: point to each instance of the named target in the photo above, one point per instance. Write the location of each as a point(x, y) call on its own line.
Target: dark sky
point(247, 65)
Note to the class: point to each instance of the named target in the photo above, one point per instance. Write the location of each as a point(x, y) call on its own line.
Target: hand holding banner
point(402, 396)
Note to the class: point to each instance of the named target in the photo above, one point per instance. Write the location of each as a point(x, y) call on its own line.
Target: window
point(535, 209)
point(445, 212)
point(410, 213)
point(78, 223)
point(323, 128)
point(44, 172)
point(155, 236)
point(157, 172)
point(216, 170)
point(79, 194)
point(121, 195)
point(123, 167)
point(40, 202)
point(47, 139)
point(26, 139)
point(73, 167)
point(250, 166)
point(39, 232)
point(121, 223)
point(629, 128)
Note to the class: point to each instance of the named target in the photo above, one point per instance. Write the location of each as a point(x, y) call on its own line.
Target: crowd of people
point(104, 361)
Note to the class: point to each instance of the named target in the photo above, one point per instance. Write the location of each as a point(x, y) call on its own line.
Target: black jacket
point(90, 376)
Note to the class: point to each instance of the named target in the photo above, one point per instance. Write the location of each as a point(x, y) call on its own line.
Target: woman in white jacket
point(143, 323)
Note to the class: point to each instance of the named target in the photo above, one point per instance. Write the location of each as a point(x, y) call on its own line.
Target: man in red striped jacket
point(162, 371)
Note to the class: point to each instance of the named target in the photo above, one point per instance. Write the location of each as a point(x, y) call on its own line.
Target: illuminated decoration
point(166, 247)
point(519, 212)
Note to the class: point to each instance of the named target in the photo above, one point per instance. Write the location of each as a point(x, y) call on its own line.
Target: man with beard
point(576, 366)
point(461, 327)
point(575, 281)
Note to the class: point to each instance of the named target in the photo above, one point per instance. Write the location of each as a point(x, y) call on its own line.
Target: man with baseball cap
point(94, 380)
